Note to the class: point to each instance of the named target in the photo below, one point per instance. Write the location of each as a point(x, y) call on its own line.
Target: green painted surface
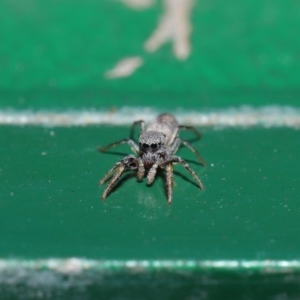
point(50, 204)
point(53, 56)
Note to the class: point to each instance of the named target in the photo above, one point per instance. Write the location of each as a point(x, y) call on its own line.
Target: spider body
point(158, 143)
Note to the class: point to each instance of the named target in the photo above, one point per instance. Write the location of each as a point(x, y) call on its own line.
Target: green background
point(53, 56)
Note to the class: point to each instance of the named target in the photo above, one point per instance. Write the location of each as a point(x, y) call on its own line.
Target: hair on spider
point(157, 146)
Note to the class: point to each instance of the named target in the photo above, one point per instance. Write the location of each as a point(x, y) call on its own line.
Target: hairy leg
point(177, 159)
point(134, 147)
point(103, 180)
point(191, 128)
point(175, 145)
point(127, 163)
point(179, 141)
point(169, 182)
point(140, 123)
point(113, 181)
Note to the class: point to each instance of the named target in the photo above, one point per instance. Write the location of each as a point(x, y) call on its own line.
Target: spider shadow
point(194, 162)
point(160, 174)
point(114, 153)
point(126, 154)
point(192, 140)
point(186, 178)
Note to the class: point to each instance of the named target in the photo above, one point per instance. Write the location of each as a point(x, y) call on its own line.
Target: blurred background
point(103, 53)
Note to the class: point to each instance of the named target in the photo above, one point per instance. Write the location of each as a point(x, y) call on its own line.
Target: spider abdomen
point(165, 124)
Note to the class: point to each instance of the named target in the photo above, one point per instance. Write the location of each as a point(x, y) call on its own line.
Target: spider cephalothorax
point(152, 148)
point(157, 146)
point(152, 141)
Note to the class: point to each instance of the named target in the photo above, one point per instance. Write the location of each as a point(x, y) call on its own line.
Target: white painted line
point(268, 116)
point(78, 265)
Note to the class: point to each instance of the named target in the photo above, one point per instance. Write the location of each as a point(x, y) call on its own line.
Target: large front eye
point(145, 146)
point(154, 146)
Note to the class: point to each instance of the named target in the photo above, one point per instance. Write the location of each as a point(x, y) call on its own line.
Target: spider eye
point(145, 146)
point(153, 146)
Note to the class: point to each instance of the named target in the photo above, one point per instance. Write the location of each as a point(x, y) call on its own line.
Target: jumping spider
point(157, 145)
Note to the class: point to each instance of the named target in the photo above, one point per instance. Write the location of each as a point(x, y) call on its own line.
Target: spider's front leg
point(113, 181)
point(127, 163)
point(177, 159)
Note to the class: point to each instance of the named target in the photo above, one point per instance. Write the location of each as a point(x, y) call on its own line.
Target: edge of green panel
point(77, 278)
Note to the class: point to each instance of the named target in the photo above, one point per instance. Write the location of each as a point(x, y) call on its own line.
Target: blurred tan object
point(124, 67)
point(174, 26)
point(138, 4)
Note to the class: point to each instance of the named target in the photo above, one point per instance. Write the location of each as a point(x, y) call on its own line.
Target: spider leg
point(103, 180)
point(177, 159)
point(192, 128)
point(169, 181)
point(127, 163)
point(112, 182)
point(151, 174)
point(141, 169)
point(141, 123)
point(177, 143)
point(134, 147)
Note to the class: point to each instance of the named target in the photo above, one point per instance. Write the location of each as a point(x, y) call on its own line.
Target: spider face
point(151, 141)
